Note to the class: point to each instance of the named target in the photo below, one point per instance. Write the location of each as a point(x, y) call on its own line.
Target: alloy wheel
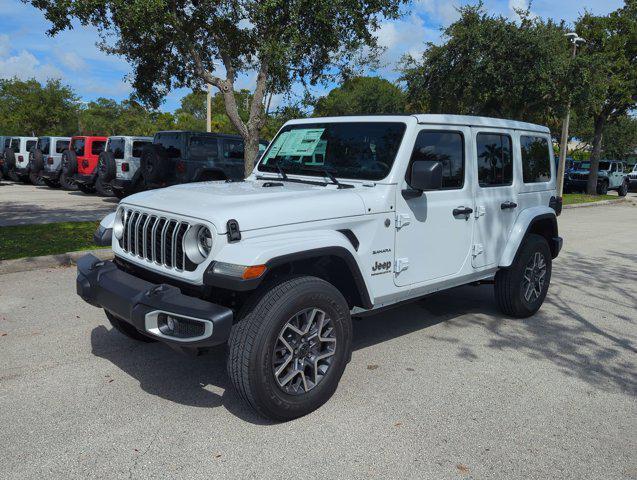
point(304, 351)
point(534, 277)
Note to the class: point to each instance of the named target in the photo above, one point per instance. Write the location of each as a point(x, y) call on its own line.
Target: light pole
point(208, 109)
point(576, 40)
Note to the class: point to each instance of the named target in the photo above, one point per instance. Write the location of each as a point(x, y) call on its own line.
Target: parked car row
point(121, 165)
point(611, 175)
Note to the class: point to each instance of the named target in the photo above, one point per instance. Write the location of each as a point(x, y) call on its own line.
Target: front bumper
point(138, 302)
point(88, 180)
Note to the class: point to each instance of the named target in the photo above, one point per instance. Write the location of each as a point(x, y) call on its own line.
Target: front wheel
point(602, 188)
point(290, 348)
point(623, 189)
point(521, 288)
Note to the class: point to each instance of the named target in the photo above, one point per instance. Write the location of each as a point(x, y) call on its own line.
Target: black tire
point(623, 189)
point(106, 167)
point(69, 163)
point(67, 183)
point(103, 188)
point(88, 190)
point(127, 329)
point(9, 158)
point(602, 187)
point(38, 161)
point(50, 183)
point(36, 179)
point(154, 164)
point(510, 283)
point(13, 176)
point(253, 339)
point(25, 178)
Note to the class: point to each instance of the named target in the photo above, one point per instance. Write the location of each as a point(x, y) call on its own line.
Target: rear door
point(495, 200)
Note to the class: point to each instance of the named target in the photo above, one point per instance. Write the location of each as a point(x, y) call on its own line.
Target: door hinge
point(476, 249)
point(401, 264)
point(402, 219)
point(480, 211)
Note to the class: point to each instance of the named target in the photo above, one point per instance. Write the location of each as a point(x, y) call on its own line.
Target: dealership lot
point(22, 204)
point(473, 395)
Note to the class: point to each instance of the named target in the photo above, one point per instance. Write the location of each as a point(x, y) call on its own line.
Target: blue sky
point(26, 51)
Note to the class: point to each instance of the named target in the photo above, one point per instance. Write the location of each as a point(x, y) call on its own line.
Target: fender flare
point(287, 248)
point(523, 225)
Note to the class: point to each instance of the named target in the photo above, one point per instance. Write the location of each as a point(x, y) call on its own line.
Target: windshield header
point(355, 150)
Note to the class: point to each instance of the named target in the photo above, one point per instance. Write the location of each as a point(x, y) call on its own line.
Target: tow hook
point(96, 265)
point(157, 289)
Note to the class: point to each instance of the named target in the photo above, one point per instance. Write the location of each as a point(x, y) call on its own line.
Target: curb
point(594, 204)
point(50, 261)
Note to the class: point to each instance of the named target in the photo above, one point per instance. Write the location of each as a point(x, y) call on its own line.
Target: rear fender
point(523, 226)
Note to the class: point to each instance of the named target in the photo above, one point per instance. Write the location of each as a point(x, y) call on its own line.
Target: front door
point(495, 201)
point(433, 230)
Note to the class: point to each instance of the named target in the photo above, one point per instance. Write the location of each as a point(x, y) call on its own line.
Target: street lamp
point(576, 40)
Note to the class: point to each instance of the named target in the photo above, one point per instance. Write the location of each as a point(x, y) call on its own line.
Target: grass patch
point(571, 198)
point(47, 239)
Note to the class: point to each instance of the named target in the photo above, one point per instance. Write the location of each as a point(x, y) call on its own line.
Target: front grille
point(579, 176)
point(156, 239)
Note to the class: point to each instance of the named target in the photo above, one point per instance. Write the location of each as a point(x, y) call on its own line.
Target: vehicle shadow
point(564, 333)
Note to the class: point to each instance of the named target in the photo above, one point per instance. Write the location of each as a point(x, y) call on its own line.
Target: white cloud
point(24, 66)
point(442, 11)
point(71, 60)
point(5, 46)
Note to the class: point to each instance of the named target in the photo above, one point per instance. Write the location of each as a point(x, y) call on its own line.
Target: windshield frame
point(319, 173)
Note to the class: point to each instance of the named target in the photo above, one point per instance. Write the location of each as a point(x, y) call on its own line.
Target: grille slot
point(156, 239)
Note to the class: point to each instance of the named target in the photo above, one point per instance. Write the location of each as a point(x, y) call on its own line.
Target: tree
point(30, 108)
point(620, 138)
point(362, 95)
point(493, 66)
point(181, 43)
point(609, 79)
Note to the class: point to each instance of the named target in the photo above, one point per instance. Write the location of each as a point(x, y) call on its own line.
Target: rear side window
point(203, 148)
point(97, 147)
point(44, 145)
point(15, 144)
point(117, 147)
point(233, 149)
point(78, 145)
point(536, 159)
point(170, 142)
point(444, 147)
point(31, 144)
point(61, 145)
point(138, 148)
point(7, 143)
point(495, 160)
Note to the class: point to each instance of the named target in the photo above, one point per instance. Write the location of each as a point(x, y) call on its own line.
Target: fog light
point(180, 327)
point(170, 323)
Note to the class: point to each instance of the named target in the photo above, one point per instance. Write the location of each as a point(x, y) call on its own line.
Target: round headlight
point(118, 224)
point(198, 243)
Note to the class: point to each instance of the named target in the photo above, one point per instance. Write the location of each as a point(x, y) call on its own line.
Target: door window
point(61, 145)
point(31, 144)
point(117, 147)
point(536, 159)
point(444, 147)
point(78, 145)
point(138, 148)
point(233, 149)
point(170, 142)
point(15, 144)
point(44, 144)
point(495, 160)
point(204, 149)
point(97, 147)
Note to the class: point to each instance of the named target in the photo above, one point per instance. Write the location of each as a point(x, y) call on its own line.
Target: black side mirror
point(426, 175)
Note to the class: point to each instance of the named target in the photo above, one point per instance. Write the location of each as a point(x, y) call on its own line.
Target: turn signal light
point(254, 271)
point(124, 167)
point(49, 160)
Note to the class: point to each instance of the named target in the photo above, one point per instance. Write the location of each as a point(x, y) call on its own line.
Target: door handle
point(507, 205)
point(466, 211)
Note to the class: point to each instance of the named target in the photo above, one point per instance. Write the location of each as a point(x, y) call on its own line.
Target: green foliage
point(491, 65)
point(47, 239)
point(362, 95)
point(107, 117)
point(29, 108)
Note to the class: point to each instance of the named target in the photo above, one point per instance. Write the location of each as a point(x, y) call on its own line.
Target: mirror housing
point(426, 175)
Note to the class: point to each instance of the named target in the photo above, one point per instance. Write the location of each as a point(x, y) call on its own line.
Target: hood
point(251, 204)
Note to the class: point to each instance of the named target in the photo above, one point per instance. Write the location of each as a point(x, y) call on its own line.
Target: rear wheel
point(521, 288)
point(103, 188)
point(50, 183)
point(623, 189)
point(66, 183)
point(126, 329)
point(82, 187)
point(290, 347)
point(36, 179)
point(602, 188)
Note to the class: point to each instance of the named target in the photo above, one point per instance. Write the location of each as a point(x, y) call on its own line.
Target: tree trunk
point(591, 186)
point(251, 151)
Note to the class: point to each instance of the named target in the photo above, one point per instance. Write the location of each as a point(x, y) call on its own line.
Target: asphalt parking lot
point(22, 204)
point(442, 388)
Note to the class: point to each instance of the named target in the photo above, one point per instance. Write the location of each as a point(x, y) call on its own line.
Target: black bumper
point(121, 184)
point(49, 175)
point(556, 247)
point(88, 180)
point(132, 299)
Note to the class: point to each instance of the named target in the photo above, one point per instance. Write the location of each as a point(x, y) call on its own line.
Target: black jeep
point(185, 156)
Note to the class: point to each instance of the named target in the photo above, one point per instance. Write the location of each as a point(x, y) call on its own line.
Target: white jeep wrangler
point(341, 217)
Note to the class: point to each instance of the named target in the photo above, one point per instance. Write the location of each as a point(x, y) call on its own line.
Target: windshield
point(357, 150)
point(602, 166)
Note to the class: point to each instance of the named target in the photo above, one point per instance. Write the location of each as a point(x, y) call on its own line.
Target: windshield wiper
point(279, 168)
point(329, 173)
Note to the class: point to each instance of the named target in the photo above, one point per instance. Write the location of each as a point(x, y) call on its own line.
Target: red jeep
point(79, 162)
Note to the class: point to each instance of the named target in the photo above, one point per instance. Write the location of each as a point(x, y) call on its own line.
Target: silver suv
point(118, 164)
point(610, 176)
point(47, 160)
